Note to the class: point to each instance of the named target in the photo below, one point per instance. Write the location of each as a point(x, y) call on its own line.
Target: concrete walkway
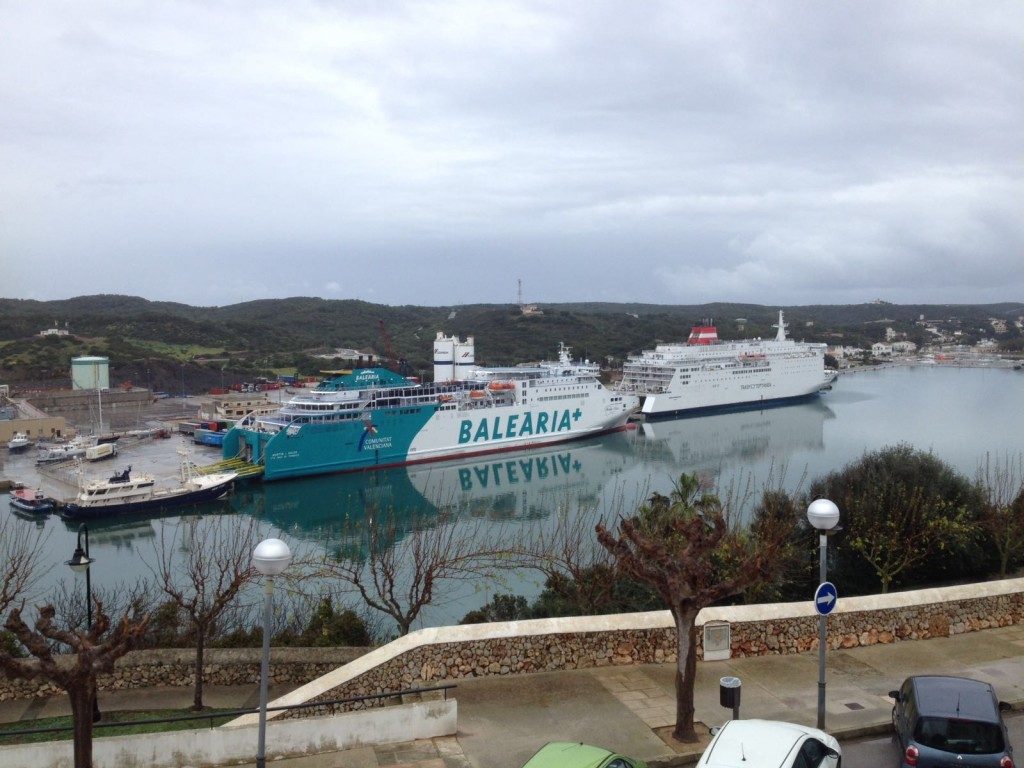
point(503, 720)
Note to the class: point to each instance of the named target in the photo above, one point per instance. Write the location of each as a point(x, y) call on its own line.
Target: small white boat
point(19, 442)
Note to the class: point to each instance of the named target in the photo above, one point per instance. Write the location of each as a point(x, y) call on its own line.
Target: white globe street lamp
point(270, 557)
point(823, 515)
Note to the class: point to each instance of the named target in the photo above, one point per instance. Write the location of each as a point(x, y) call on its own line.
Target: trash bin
point(729, 695)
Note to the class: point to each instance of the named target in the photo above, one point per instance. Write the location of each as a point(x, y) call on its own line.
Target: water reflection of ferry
point(704, 443)
point(514, 486)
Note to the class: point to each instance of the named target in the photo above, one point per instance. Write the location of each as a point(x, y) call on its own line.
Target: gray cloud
point(778, 152)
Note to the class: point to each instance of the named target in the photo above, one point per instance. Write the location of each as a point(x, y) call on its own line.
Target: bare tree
point(203, 566)
point(21, 564)
point(1001, 483)
point(69, 602)
point(400, 565)
point(94, 652)
point(564, 550)
point(687, 549)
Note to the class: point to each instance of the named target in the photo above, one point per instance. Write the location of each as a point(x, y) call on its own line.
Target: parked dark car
point(949, 722)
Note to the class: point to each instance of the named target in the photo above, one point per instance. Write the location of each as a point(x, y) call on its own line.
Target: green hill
point(205, 345)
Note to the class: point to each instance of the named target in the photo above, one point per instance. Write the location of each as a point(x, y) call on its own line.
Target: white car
point(770, 744)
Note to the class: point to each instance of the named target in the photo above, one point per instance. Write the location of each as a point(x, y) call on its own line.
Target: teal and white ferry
point(374, 418)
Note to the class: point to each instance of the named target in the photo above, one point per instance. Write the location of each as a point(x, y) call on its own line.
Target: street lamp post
point(271, 557)
point(80, 562)
point(823, 515)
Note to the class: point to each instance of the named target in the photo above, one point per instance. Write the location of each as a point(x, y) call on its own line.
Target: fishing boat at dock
point(124, 494)
point(32, 501)
point(374, 418)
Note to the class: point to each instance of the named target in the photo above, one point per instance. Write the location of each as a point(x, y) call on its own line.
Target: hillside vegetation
point(175, 346)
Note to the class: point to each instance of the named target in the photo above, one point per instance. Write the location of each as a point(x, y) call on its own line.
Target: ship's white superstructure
point(706, 373)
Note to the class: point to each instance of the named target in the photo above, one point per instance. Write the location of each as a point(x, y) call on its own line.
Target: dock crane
point(400, 365)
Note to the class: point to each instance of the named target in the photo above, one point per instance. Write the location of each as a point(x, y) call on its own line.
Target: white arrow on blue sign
point(825, 598)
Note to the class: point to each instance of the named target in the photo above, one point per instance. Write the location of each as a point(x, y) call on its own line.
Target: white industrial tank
point(90, 373)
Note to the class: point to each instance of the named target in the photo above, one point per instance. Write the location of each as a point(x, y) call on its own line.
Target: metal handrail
point(233, 712)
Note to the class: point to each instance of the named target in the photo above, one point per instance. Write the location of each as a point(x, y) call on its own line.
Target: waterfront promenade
point(503, 720)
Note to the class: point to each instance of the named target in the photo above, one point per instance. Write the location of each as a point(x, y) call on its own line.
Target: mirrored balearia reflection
point(514, 486)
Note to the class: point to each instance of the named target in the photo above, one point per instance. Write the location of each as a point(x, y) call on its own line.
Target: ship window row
point(563, 397)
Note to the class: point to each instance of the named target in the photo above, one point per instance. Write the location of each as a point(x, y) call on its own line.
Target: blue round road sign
point(825, 598)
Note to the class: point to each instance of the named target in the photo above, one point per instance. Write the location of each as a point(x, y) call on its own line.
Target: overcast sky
point(433, 153)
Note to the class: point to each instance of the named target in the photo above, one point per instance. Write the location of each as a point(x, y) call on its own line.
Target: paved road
point(883, 753)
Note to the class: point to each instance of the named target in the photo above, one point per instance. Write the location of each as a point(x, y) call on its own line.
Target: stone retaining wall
point(176, 667)
point(450, 653)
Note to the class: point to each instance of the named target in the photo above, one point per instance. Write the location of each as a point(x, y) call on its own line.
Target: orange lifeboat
point(501, 386)
point(477, 393)
point(444, 398)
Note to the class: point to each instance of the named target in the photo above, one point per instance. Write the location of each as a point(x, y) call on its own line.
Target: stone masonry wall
point(433, 662)
point(176, 667)
point(445, 654)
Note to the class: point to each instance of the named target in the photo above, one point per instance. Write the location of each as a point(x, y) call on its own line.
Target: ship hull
point(32, 506)
point(658, 410)
point(404, 436)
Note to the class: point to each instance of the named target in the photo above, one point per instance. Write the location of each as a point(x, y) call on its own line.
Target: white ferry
point(374, 418)
point(706, 373)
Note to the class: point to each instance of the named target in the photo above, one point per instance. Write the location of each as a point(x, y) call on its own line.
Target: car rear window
point(965, 737)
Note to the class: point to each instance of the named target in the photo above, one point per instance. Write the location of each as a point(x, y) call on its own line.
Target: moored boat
point(706, 373)
point(123, 493)
point(374, 418)
point(51, 453)
point(29, 500)
point(19, 442)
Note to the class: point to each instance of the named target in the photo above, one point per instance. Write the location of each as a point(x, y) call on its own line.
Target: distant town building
point(350, 356)
point(842, 353)
point(878, 349)
point(55, 331)
point(904, 347)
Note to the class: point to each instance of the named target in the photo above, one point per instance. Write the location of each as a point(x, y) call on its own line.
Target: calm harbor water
point(960, 414)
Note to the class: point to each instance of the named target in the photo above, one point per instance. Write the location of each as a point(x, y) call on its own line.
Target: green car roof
point(567, 754)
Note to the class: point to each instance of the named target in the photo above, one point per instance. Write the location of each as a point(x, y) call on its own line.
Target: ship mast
point(781, 335)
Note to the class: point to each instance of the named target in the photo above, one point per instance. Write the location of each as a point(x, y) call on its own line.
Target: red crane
point(399, 365)
point(385, 340)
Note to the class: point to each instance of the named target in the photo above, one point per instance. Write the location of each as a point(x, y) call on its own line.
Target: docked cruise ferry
point(373, 418)
point(708, 373)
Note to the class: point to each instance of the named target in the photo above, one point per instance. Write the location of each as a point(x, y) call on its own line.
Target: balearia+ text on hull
point(706, 373)
point(374, 418)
